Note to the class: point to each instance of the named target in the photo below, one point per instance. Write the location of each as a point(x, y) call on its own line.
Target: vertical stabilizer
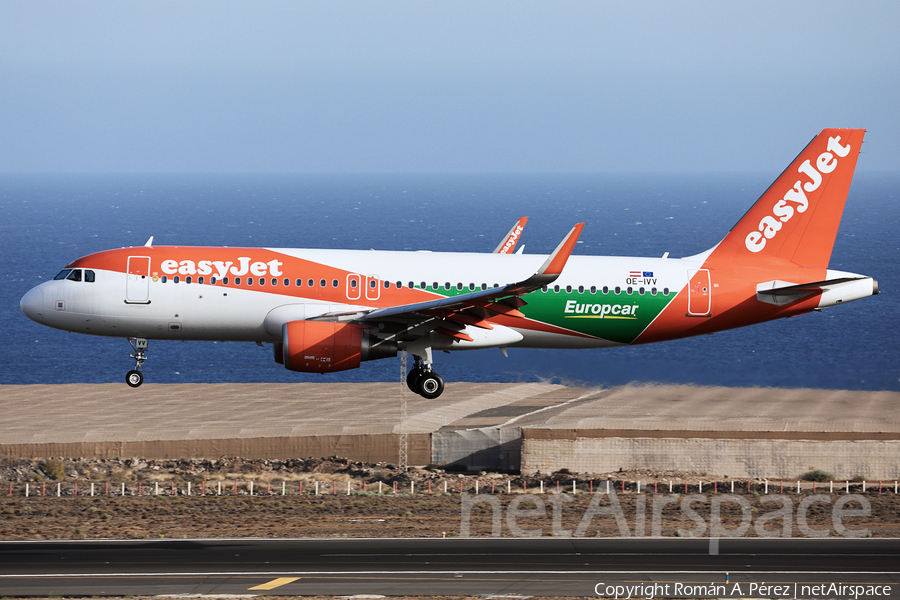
point(797, 218)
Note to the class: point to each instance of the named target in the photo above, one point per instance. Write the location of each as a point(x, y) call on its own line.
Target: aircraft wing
point(472, 308)
point(508, 244)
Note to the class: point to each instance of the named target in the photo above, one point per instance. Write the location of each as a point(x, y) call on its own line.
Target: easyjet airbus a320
point(328, 310)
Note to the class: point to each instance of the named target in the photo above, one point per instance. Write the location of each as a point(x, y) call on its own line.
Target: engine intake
point(326, 347)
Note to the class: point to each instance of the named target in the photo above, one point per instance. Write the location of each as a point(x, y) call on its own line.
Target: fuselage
point(246, 294)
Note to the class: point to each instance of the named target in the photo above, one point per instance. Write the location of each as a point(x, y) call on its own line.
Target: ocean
point(49, 220)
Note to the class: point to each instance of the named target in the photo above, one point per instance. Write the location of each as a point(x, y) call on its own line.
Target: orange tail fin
point(797, 218)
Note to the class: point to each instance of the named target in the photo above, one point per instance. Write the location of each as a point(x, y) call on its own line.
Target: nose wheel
point(135, 377)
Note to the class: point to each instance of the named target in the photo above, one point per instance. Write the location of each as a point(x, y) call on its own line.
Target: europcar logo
point(600, 311)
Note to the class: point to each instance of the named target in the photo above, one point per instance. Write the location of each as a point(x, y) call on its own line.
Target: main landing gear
point(424, 381)
point(135, 377)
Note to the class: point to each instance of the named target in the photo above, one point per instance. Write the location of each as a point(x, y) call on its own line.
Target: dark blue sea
point(48, 220)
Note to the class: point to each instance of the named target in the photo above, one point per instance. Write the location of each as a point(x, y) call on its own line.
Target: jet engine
point(325, 347)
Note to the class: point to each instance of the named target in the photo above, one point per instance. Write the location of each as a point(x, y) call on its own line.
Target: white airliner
point(328, 310)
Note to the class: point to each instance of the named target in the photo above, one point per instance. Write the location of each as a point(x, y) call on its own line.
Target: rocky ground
point(426, 512)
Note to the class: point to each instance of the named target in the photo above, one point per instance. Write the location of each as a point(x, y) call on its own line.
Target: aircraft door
point(699, 293)
point(353, 286)
point(373, 292)
point(137, 280)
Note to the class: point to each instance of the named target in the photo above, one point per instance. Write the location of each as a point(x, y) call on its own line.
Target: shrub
point(818, 475)
point(54, 469)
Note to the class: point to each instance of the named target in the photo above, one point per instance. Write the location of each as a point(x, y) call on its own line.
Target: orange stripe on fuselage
point(269, 265)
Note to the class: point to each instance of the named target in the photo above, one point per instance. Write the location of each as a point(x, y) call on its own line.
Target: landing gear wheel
point(429, 385)
point(412, 379)
point(134, 378)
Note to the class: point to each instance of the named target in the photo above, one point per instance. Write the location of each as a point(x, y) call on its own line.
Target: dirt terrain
point(419, 508)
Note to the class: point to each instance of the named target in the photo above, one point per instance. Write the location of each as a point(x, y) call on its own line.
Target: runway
point(470, 566)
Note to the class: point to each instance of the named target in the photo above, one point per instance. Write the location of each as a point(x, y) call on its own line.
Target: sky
point(442, 87)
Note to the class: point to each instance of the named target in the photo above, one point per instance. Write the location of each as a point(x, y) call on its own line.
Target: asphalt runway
point(460, 566)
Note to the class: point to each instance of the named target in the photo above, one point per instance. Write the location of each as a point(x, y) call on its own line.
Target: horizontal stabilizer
point(780, 293)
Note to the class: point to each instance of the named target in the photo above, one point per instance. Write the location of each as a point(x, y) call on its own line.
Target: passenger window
point(629, 290)
point(353, 284)
point(580, 289)
point(212, 280)
point(262, 281)
point(387, 284)
point(435, 286)
point(399, 285)
point(322, 283)
point(605, 289)
point(187, 279)
point(200, 279)
point(665, 291)
point(593, 289)
point(556, 288)
point(334, 283)
point(618, 290)
point(299, 283)
point(249, 281)
point(275, 282)
point(75, 275)
point(237, 280)
point(63, 274)
point(652, 291)
point(224, 281)
point(311, 282)
point(568, 289)
point(286, 282)
point(459, 286)
point(447, 285)
point(641, 291)
point(544, 289)
point(89, 276)
point(165, 279)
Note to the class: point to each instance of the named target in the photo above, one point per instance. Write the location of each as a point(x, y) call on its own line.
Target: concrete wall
point(767, 458)
point(476, 449)
point(366, 448)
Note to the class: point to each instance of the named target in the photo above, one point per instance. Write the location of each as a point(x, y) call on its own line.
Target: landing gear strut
point(424, 381)
point(135, 377)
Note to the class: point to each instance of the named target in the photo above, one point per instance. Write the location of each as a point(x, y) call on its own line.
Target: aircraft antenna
point(404, 432)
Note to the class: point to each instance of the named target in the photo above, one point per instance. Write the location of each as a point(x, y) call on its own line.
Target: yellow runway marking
point(275, 583)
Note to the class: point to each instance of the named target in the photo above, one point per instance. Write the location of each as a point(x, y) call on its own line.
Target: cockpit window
point(63, 274)
point(75, 275)
point(89, 276)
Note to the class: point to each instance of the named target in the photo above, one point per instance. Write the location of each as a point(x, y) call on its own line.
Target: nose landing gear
point(424, 381)
point(135, 377)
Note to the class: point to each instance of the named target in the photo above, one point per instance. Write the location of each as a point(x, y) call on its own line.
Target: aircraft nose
point(32, 304)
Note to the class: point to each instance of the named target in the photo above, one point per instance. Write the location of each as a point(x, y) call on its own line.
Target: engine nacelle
point(325, 347)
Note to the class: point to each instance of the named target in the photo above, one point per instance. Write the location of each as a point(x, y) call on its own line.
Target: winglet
point(509, 242)
point(556, 261)
point(149, 243)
